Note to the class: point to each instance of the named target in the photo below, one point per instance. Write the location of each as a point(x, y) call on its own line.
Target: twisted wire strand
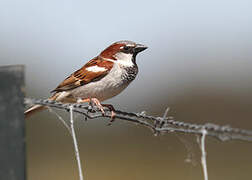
point(156, 124)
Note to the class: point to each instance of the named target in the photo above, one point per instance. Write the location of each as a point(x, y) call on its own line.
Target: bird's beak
point(139, 48)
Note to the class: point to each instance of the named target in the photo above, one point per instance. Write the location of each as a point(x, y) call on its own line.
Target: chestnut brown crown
point(127, 47)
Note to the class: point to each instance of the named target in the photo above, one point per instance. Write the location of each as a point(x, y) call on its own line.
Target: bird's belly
point(108, 87)
point(99, 90)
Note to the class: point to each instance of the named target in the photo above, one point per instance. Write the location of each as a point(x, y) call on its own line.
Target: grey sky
point(207, 42)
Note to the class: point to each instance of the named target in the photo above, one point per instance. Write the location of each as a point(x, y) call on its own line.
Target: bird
point(101, 78)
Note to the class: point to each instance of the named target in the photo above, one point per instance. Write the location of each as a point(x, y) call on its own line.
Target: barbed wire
point(158, 125)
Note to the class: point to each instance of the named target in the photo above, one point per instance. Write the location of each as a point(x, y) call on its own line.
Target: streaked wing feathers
point(83, 76)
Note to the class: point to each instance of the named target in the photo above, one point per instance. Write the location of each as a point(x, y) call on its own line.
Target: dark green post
point(12, 124)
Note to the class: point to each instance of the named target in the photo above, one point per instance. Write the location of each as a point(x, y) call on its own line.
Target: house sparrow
point(103, 77)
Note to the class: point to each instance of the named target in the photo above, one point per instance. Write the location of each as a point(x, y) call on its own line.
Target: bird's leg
point(98, 104)
point(112, 110)
point(95, 101)
point(100, 107)
point(88, 100)
point(83, 100)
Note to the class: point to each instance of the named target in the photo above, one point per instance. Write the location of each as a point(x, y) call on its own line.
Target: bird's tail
point(36, 108)
point(33, 109)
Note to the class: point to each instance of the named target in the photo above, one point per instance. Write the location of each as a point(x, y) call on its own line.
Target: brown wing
point(83, 76)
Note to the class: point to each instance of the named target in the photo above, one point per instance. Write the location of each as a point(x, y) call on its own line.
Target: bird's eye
point(126, 48)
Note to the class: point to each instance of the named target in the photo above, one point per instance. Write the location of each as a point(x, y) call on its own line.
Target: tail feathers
point(59, 96)
point(33, 109)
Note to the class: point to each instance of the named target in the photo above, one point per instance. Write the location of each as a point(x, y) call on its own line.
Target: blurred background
point(198, 64)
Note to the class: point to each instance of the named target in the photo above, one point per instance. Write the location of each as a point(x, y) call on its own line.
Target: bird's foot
point(98, 104)
point(112, 110)
point(88, 100)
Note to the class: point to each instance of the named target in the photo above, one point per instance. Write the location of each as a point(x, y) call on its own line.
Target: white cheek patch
point(96, 69)
point(124, 59)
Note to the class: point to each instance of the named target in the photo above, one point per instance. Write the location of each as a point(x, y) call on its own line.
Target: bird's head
point(123, 52)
